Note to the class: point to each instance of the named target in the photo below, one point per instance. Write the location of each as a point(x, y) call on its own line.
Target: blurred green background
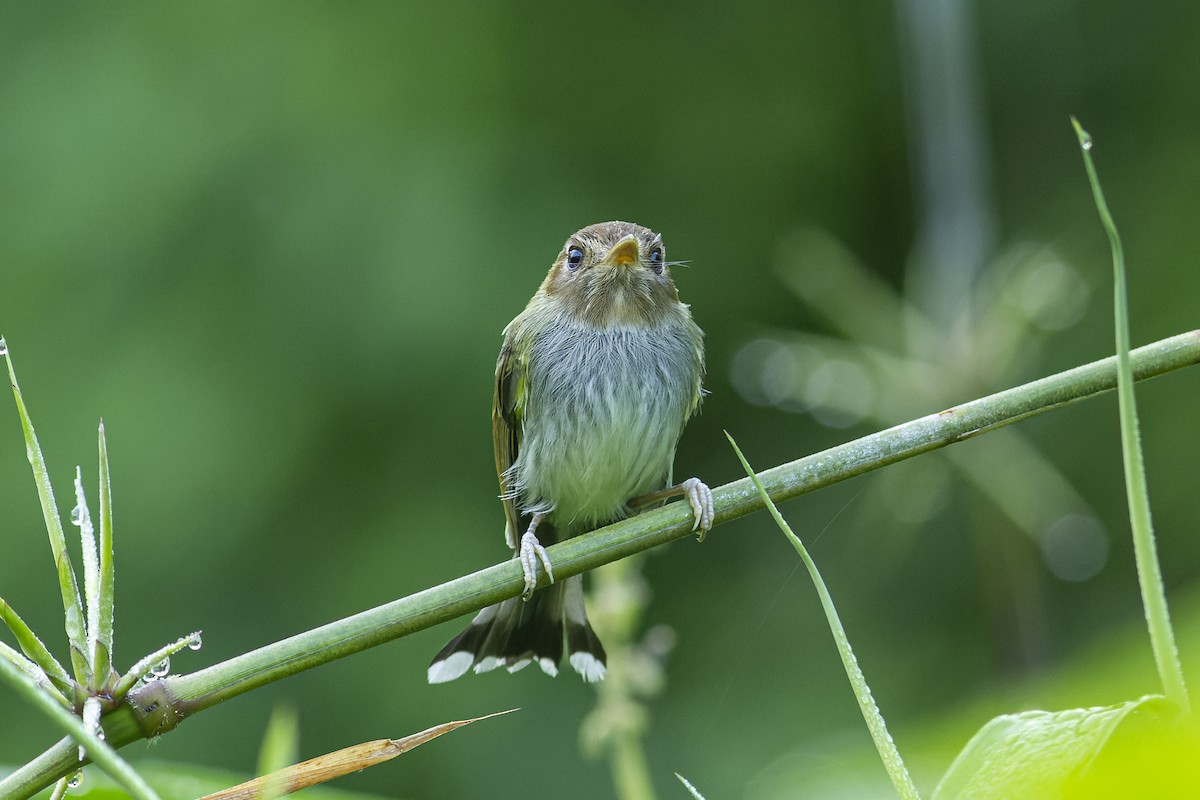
point(274, 245)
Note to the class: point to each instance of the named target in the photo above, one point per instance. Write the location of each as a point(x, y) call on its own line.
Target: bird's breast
point(604, 410)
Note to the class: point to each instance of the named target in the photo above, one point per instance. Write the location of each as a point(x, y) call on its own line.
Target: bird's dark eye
point(656, 260)
point(574, 258)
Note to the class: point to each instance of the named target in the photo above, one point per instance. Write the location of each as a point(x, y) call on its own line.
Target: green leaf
point(72, 607)
point(37, 652)
point(692, 790)
point(60, 789)
point(280, 747)
point(156, 662)
point(888, 753)
point(102, 663)
point(34, 673)
point(1154, 597)
point(1046, 754)
point(81, 517)
point(75, 622)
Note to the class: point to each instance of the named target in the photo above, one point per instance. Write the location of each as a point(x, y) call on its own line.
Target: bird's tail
point(514, 632)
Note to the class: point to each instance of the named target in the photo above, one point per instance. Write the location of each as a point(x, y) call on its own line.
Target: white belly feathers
point(609, 437)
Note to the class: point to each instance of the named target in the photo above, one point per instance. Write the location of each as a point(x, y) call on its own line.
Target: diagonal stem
point(160, 705)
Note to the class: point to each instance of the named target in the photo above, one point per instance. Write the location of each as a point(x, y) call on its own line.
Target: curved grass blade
point(72, 607)
point(1154, 598)
point(888, 752)
point(147, 664)
point(688, 785)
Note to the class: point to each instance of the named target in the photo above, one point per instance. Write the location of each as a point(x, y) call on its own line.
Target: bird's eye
point(574, 258)
point(656, 260)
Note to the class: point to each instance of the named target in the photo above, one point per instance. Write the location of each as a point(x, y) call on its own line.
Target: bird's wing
point(508, 408)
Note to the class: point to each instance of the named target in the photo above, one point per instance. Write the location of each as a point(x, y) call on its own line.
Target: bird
point(595, 381)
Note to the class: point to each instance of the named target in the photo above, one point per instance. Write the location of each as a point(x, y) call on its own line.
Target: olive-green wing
point(508, 407)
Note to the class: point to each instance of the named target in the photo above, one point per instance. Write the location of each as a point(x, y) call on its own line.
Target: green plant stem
point(631, 773)
point(98, 750)
point(1154, 598)
point(160, 705)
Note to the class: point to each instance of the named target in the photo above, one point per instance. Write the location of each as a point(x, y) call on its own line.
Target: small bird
point(595, 381)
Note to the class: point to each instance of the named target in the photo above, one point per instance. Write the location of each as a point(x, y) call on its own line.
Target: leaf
point(157, 662)
point(1154, 753)
point(1154, 596)
point(176, 780)
point(102, 664)
point(37, 652)
point(340, 762)
point(74, 620)
point(81, 517)
point(60, 789)
point(688, 785)
point(72, 607)
point(35, 674)
point(1040, 754)
point(889, 754)
point(280, 747)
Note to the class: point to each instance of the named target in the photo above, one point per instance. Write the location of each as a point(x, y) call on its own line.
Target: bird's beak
point(625, 253)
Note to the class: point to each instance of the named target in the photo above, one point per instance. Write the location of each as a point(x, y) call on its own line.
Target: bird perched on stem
point(595, 381)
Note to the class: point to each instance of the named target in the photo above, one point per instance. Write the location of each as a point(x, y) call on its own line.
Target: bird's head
point(613, 273)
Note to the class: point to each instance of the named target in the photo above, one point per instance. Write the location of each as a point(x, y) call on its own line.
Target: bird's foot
point(700, 498)
point(532, 552)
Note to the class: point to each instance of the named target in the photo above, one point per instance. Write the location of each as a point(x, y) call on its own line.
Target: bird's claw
point(531, 553)
point(700, 498)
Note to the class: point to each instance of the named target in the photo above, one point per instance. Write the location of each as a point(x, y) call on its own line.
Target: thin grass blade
point(75, 623)
point(888, 752)
point(34, 673)
point(1154, 598)
point(154, 663)
point(72, 607)
point(60, 789)
point(102, 657)
point(81, 517)
point(33, 648)
point(692, 790)
point(280, 748)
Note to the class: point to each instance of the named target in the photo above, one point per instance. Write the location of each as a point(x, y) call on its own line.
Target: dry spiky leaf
point(340, 762)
